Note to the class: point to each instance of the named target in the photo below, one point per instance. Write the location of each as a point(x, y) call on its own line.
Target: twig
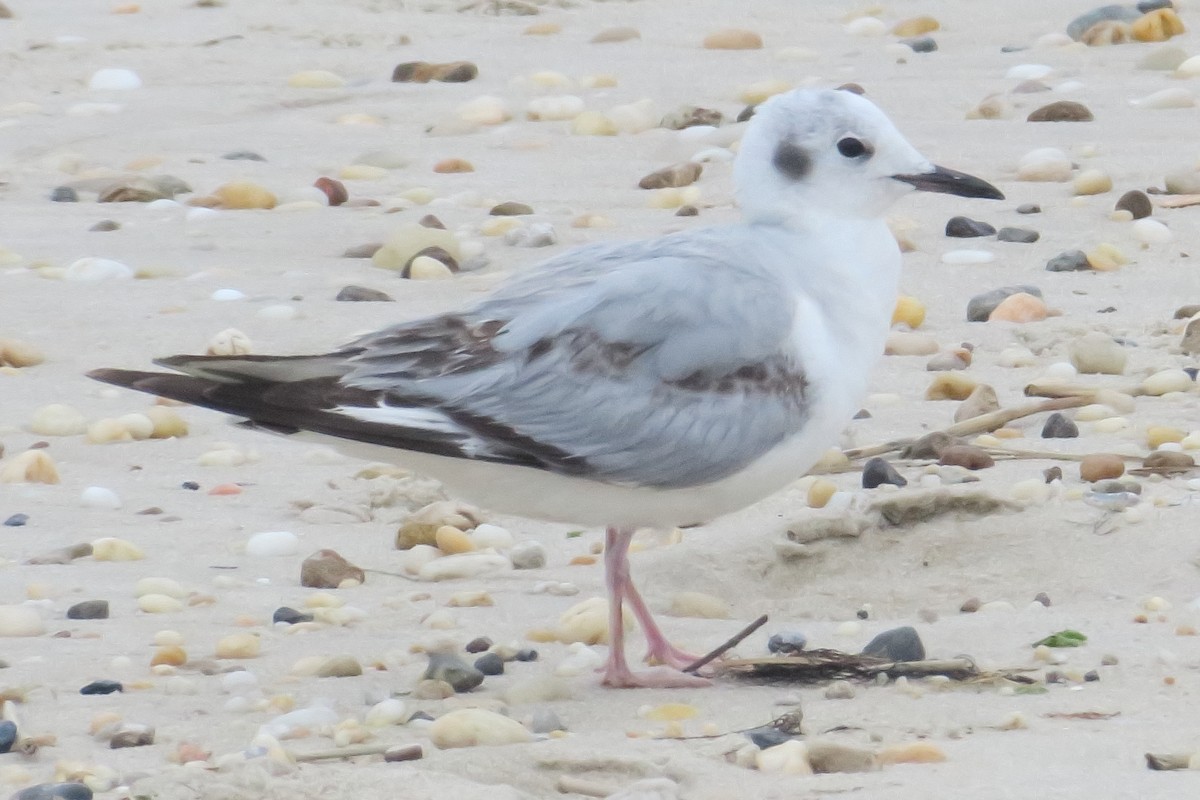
point(1078, 390)
point(390, 752)
point(728, 645)
point(831, 664)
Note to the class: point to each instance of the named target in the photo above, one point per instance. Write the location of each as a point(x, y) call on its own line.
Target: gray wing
point(663, 364)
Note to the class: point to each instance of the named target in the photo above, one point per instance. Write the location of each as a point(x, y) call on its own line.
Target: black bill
point(949, 181)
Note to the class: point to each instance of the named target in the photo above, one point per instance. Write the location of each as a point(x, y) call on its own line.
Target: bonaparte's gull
point(652, 383)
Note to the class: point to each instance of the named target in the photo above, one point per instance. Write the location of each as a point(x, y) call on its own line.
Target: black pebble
point(89, 609)
point(967, 228)
point(102, 687)
point(1192, 372)
point(878, 471)
point(490, 664)
point(478, 645)
point(1091, 675)
point(746, 113)
point(862, 613)
point(191, 486)
point(787, 643)
point(1059, 426)
point(16, 520)
point(1019, 235)
point(898, 644)
point(64, 194)
point(54, 791)
point(526, 654)
point(1069, 261)
point(361, 294)
point(921, 44)
point(290, 616)
point(8, 735)
point(1029, 208)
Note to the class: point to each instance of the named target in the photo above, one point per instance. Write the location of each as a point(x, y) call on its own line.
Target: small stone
point(97, 270)
point(1168, 460)
point(17, 520)
point(982, 400)
point(820, 492)
point(63, 194)
point(1151, 232)
point(1061, 111)
point(970, 605)
point(866, 26)
point(1189, 68)
point(290, 616)
point(787, 643)
point(431, 264)
point(132, 735)
point(829, 757)
point(63, 555)
point(447, 667)
point(967, 228)
point(538, 234)
point(469, 727)
point(239, 645)
point(911, 753)
point(243, 155)
point(909, 311)
point(544, 720)
point(1136, 203)
point(340, 667)
point(528, 555)
point(55, 419)
point(1101, 466)
point(966, 455)
point(244, 195)
point(878, 471)
point(1020, 235)
point(1190, 343)
point(677, 175)
point(1109, 13)
point(334, 190)
point(994, 106)
point(840, 690)
point(1045, 164)
point(950, 386)
point(114, 79)
point(1184, 181)
point(19, 621)
point(690, 117)
point(906, 343)
point(1163, 59)
point(1096, 353)
point(326, 569)
point(510, 209)
point(790, 757)
point(1069, 261)
point(8, 735)
point(110, 548)
point(612, 35)
point(54, 791)
point(102, 687)
point(105, 225)
point(1020, 307)
point(315, 79)
point(89, 609)
point(478, 645)
point(1029, 208)
point(490, 664)
point(1059, 426)
point(171, 655)
point(698, 605)
point(1168, 380)
point(921, 44)
point(1092, 181)
point(424, 72)
point(1157, 26)
point(733, 39)
point(915, 26)
point(449, 166)
point(981, 306)
point(362, 294)
point(1175, 97)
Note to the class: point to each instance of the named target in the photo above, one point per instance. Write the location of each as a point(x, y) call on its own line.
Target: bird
point(650, 383)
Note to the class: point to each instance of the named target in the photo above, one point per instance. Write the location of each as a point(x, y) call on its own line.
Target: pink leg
point(620, 587)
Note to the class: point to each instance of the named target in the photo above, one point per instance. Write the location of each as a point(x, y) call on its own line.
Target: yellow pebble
point(543, 29)
point(1157, 26)
point(952, 385)
point(171, 656)
point(593, 123)
point(819, 493)
point(362, 172)
point(451, 540)
point(759, 92)
point(315, 79)
point(167, 424)
point(909, 310)
point(105, 431)
point(915, 26)
point(31, 466)
point(912, 753)
point(1160, 434)
point(239, 645)
point(244, 195)
point(669, 712)
point(1106, 258)
point(1019, 307)
point(733, 39)
point(110, 548)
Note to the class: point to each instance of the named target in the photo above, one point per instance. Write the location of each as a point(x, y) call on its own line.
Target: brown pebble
point(853, 88)
point(1061, 111)
point(1052, 474)
point(326, 569)
point(424, 72)
point(510, 209)
point(930, 445)
point(966, 455)
point(1101, 466)
point(437, 254)
point(105, 225)
point(690, 117)
point(610, 35)
point(950, 386)
point(430, 221)
point(1187, 312)
point(361, 250)
point(1168, 460)
point(333, 189)
point(684, 173)
point(1043, 598)
point(733, 39)
point(970, 605)
point(449, 166)
point(982, 400)
point(1137, 203)
point(687, 211)
point(1190, 343)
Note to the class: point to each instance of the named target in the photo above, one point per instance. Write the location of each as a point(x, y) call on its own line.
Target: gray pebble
point(921, 44)
point(54, 791)
point(839, 690)
point(89, 609)
point(105, 226)
point(1116, 485)
point(687, 211)
point(1029, 208)
point(787, 643)
point(1115, 13)
point(1043, 598)
point(930, 445)
point(242, 155)
point(537, 234)
point(510, 209)
point(1136, 202)
point(454, 671)
point(544, 720)
point(1146, 6)
point(1020, 235)
point(526, 654)
point(878, 471)
point(361, 250)
point(528, 555)
point(1069, 261)
point(16, 521)
point(1059, 426)
point(970, 605)
point(981, 306)
point(8, 735)
point(898, 644)
point(765, 737)
point(479, 644)
point(362, 294)
point(64, 194)
point(290, 616)
point(967, 228)
point(490, 664)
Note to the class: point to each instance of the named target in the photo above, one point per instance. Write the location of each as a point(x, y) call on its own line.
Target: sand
point(215, 81)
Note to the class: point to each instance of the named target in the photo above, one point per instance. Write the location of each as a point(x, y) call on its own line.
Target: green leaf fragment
point(1067, 638)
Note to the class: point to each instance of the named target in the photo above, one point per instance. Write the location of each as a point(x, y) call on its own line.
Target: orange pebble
point(582, 561)
point(225, 488)
point(1019, 307)
point(449, 165)
point(171, 655)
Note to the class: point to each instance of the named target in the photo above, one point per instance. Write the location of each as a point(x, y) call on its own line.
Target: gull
point(651, 383)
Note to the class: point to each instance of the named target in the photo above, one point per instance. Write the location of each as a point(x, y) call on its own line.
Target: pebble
point(451, 166)
point(17, 520)
point(465, 565)
point(1069, 261)
point(1189, 68)
point(54, 791)
point(391, 711)
point(1092, 181)
point(452, 541)
point(132, 735)
point(315, 79)
point(613, 35)
point(490, 664)
point(470, 727)
point(921, 44)
point(99, 497)
point(424, 72)
point(327, 569)
point(156, 603)
point(699, 605)
point(677, 175)
point(102, 687)
point(1151, 232)
point(991, 107)
point(411, 241)
point(967, 456)
point(840, 690)
point(1157, 26)
point(1101, 466)
point(1021, 308)
point(20, 621)
point(1163, 59)
point(593, 123)
point(982, 400)
point(1184, 181)
point(114, 79)
point(966, 228)
point(957, 359)
point(1019, 235)
point(690, 117)
point(950, 386)
point(273, 543)
point(1136, 203)
point(1168, 460)
point(878, 471)
point(31, 466)
point(97, 270)
point(89, 609)
point(905, 343)
point(1190, 343)
point(362, 294)
point(1047, 164)
point(427, 268)
point(63, 194)
point(1109, 13)
point(915, 26)
point(961, 257)
point(8, 735)
point(239, 645)
point(911, 753)
point(820, 492)
point(537, 234)
point(528, 555)
point(1158, 435)
point(1168, 380)
point(55, 419)
point(1096, 353)
point(733, 39)
point(1059, 426)
point(244, 195)
point(110, 548)
point(981, 306)
point(342, 666)
point(172, 655)
point(866, 27)
point(909, 311)
point(787, 643)
point(1174, 97)
point(1061, 111)
point(790, 757)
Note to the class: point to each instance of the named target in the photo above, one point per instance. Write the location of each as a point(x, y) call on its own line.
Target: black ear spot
point(792, 160)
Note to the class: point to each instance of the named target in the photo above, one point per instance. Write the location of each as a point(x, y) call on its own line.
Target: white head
point(836, 152)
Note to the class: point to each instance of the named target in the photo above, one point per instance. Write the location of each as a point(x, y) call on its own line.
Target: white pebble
point(1060, 371)
point(866, 26)
point(1168, 380)
point(273, 543)
point(554, 108)
point(484, 110)
point(1151, 231)
point(968, 257)
point(279, 311)
point(115, 79)
point(57, 419)
point(99, 497)
point(1176, 97)
point(156, 585)
point(634, 117)
point(159, 604)
point(312, 718)
point(468, 727)
point(240, 682)
point(493, 536)
point(1044, 164)
point(1017, 356)
point(94, 270)
point(391, 711)
point(20, 621)
point(849, 629)
point(225, 295)
point(789, 758)
point(1028, 72)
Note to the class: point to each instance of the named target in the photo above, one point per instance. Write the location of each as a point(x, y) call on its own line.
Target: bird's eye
point(854, 148)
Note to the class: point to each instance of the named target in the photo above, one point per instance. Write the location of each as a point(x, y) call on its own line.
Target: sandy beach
point(306, 89)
